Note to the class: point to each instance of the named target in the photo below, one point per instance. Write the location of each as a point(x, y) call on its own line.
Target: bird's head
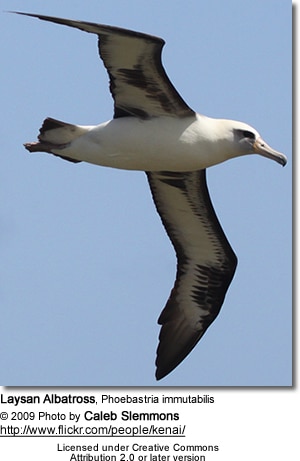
point(248, 141)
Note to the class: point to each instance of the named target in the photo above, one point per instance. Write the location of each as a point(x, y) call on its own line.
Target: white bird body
point(155, 144)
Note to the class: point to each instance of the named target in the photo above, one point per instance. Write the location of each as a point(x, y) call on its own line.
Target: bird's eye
point(248, 134)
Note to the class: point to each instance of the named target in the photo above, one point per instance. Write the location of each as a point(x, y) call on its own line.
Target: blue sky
point(86, 266)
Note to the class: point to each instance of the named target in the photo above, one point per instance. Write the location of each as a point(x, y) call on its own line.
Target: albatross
point(155, 131)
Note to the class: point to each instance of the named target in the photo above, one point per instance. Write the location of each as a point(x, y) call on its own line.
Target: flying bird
point(155, 131)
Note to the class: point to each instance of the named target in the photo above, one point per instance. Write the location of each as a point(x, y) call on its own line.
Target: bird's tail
point(55, 135)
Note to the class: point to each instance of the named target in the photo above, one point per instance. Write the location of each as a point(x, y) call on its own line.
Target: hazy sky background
point(86, 266)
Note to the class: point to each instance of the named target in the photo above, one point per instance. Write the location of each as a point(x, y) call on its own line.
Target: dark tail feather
point(55, 135)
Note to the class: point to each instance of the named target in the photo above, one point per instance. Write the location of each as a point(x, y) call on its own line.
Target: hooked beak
point(262, 148)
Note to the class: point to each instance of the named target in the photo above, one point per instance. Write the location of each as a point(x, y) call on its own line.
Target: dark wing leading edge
point(138, 82)
point(205, 263)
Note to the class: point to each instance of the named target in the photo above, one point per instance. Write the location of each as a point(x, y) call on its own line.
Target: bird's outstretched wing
point(205, 263)
point(138, 82)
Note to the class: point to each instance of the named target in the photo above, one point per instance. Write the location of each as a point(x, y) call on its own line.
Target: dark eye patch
point(248, 134)
point(242, 134)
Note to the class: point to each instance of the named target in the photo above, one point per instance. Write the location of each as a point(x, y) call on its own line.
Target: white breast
point(160, 143)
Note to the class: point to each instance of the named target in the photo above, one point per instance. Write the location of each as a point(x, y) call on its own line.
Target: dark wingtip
point(164, 370)
point(159, 375)
point(163, 367)
point(21, 13)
